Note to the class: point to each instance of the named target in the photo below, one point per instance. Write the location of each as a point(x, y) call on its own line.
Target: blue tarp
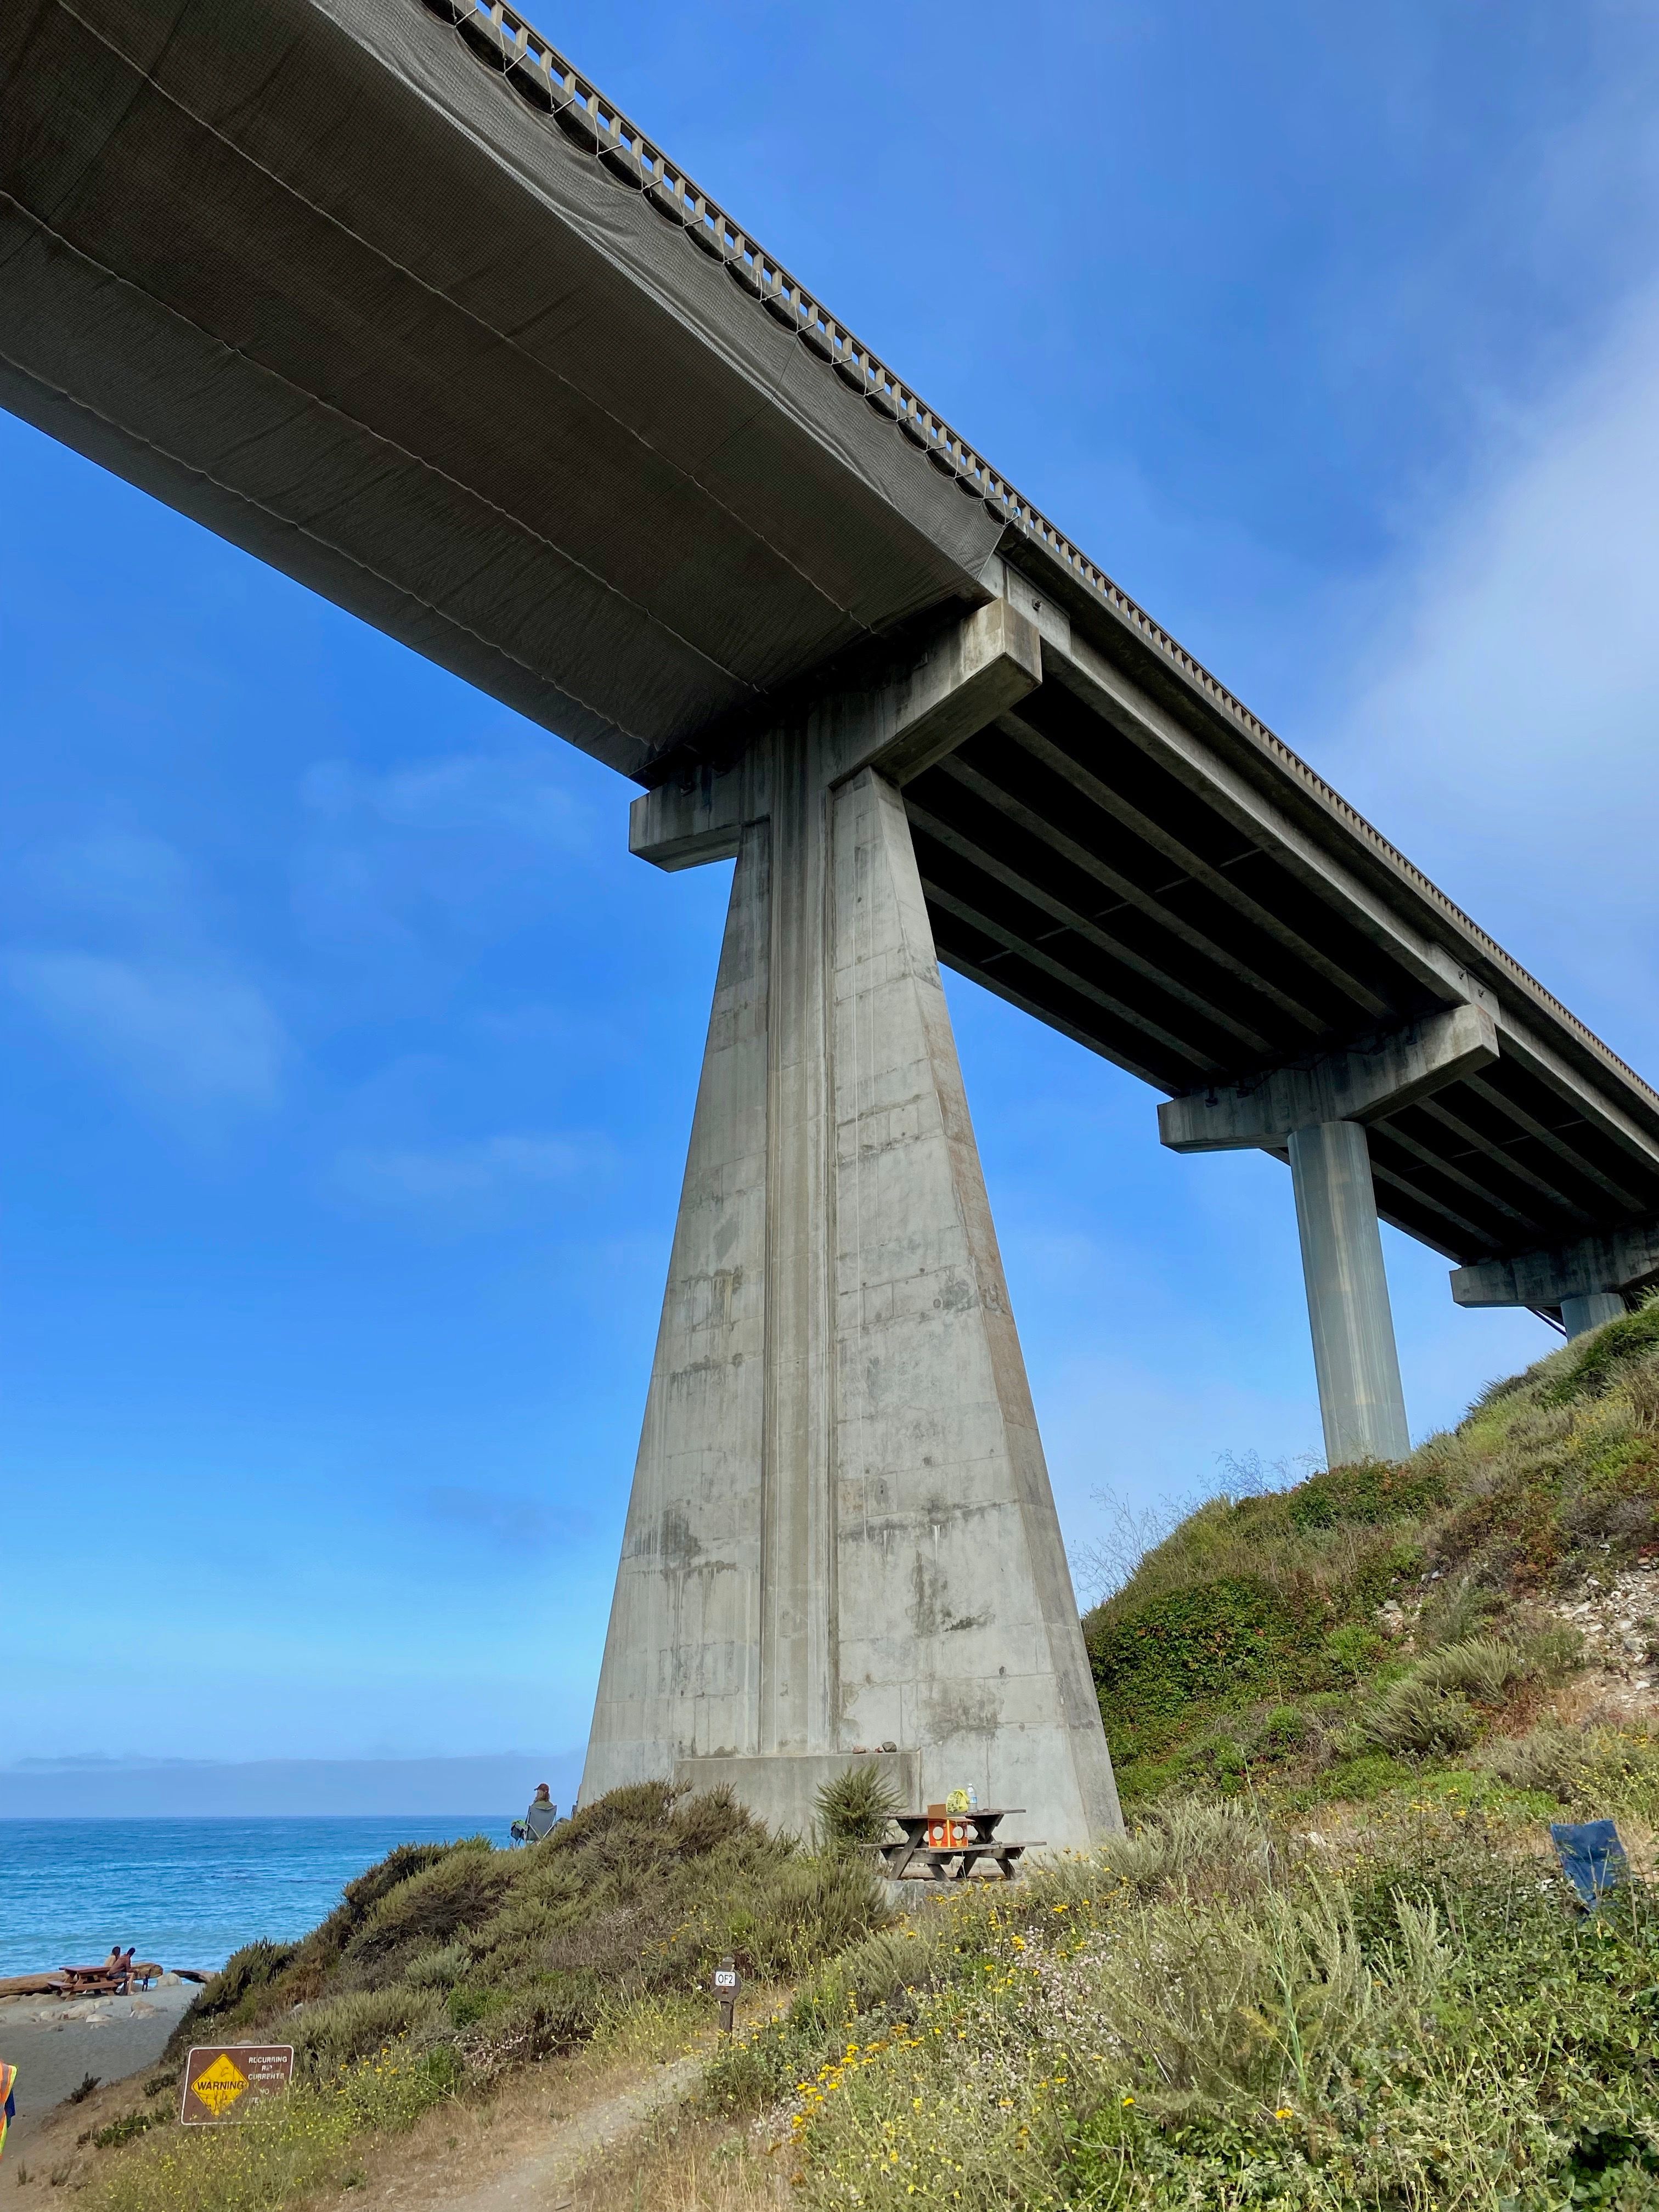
point(1592, 1858)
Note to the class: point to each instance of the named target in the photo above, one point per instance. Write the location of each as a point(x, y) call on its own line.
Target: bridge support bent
point(842, 1539)
point(1314, 1115)
point(1586, 1283)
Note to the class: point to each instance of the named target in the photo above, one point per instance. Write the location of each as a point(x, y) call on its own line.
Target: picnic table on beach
point(110, 1977)
point(922, 1854)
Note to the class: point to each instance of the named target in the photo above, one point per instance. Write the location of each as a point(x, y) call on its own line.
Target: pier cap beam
point(938, 698)
point(1586, 1283)
point(1359, 1084)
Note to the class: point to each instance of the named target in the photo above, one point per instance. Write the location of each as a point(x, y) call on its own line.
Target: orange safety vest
point(7, 2075)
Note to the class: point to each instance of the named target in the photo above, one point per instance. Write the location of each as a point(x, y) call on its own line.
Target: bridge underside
point(379, 294)
point(309, 272)
point(1085, 868)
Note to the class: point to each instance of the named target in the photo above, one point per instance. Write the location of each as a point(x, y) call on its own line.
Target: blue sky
point(350, 1059)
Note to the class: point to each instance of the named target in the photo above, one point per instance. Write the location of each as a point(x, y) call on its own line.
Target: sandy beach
point(54, 2044)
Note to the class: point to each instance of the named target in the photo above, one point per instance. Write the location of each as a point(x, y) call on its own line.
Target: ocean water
point(187, 1893)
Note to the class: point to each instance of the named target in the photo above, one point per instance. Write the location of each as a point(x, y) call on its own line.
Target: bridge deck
point(386, 293)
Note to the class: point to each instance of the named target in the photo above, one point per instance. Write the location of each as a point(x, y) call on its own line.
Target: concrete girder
point(1586, 1282)
point(1205, 944)
point(1080, 986)
point(1553, 1141)
point(1298, 948)
point(1551, 1190)
point(1378, 897)
point(1186, 964)
point(1092, 932)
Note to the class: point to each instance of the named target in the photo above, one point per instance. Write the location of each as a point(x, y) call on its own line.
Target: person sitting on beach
point(539, 1819)
point(8, 2102)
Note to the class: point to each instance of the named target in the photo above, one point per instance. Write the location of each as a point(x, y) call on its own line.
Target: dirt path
point(538, 2179)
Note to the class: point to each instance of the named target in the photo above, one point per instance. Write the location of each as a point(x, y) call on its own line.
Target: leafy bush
point(521, 1952)
point(1483, 1668)
point(1594, 1360)
point(127, 2129)
point(1372, 1493)
point(1258, 1603)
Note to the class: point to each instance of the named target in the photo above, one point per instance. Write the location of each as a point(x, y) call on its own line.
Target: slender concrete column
point(841, 1534)
point(1589, 1312)
point(1357, 1365)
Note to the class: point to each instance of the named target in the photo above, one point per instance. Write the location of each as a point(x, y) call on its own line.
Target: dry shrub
point(1188, 1848)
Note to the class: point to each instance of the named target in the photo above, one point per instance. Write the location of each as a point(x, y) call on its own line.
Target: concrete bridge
point(387, 292)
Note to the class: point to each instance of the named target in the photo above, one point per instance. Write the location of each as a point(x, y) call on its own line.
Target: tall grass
point(1268, 1626)
point(1178, 2023)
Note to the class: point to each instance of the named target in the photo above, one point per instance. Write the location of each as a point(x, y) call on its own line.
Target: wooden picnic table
point(913, 1857)
point(103, 1981)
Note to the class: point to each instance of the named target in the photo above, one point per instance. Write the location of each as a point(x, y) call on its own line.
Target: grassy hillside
point(1373, 1613)
point(447, 1965)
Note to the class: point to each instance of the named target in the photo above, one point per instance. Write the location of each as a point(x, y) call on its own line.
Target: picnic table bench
point(968, 1839)
point(106, 1979)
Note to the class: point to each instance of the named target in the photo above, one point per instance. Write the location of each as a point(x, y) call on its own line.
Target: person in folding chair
point(540, 1816)
point(8, 2103)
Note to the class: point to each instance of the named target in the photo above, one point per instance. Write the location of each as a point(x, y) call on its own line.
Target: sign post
point(224, 2080)
point(728, 1982)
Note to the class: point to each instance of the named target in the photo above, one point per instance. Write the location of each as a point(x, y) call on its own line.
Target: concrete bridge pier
point(1362, 1401)
point(1314, 1115)
point(1589, 1312)
point(1585, 1283)
point(842, 1539)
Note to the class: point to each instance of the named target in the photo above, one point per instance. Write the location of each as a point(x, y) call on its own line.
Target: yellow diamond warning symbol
point(220, 2085)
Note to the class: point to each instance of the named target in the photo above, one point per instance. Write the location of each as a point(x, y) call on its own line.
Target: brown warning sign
point(222, 2081)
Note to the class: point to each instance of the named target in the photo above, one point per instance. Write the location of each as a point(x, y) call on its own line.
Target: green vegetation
point(1315, 1627)
point(1333, 1965)
point(446, 1965)
point(853, 1809)
point(1213, 2014)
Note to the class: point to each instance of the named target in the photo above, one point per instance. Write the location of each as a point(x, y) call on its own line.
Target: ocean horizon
point(190, 1890)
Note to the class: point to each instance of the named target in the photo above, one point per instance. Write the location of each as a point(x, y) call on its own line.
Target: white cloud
point(466, 1184)
point(130, 879)
point(519, 793)
point(463, 842)
point(182, 1035)
point(1504, 726)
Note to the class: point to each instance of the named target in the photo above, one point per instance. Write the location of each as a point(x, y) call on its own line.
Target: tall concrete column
point(841, 1534)
point(1312, 1113)
point(1360, 1399)
point(1590, 1311)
